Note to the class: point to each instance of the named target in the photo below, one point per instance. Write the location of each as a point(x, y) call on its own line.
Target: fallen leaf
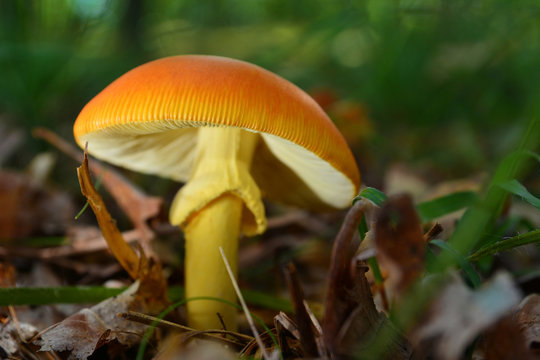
point(458, 315)
point(153, 287)
point(400, 244)
point(287, 335)
point(85, 331)
point(125, 255)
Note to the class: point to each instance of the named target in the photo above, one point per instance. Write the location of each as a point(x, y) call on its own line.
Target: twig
point(265, 355)
point(16, 322)
point(164, 324)
point(435, 230)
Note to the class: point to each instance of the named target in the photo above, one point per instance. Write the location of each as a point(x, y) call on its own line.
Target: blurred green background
point(445, 86)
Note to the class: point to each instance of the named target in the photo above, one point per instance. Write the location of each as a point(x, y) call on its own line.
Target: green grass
point(94, 294)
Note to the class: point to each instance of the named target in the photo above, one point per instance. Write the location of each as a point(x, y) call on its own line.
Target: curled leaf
point(125, 255)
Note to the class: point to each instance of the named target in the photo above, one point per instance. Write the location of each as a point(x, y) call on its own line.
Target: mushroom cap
point(147, 120)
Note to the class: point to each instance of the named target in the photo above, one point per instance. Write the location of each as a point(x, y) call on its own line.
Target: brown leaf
point(153, 289)
point(400, 242)
point(287, 333)
point(125, 255)
point(82, 333)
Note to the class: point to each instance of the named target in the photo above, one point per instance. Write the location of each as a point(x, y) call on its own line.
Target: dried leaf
point(287, 336)
point(153, 289)
point(84, 332)
point(400, 243)
point(125, 255)
point(459, 314)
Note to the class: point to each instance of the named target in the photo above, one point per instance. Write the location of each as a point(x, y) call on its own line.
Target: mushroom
point(232, 132)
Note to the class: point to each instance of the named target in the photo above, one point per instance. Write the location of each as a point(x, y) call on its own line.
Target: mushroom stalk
point(218, 224)
point(223, 158)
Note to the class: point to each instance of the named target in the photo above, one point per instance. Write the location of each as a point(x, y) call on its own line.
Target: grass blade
point(506, 244)
point(481, 216)
point(371, 194)
point(444, 205)
point(515, 187)
point(94, 294)
point(465, 265)
point(56, 295)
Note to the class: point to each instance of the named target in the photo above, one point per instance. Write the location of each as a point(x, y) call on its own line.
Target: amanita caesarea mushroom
point(233, 132)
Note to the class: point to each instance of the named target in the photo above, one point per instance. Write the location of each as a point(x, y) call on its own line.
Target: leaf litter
point(82, 333)
point(458, 320)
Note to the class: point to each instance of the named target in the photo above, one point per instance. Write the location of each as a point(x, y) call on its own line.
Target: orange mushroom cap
point(147, 121)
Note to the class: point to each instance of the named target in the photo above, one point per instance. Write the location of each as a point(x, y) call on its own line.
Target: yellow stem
point(214, 198)
point(218, 224)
